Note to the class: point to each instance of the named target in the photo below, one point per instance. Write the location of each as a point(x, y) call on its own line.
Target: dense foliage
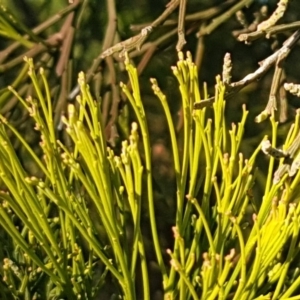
point(145, 182)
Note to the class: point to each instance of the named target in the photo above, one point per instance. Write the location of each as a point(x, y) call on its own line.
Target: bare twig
point(108, 41)
point(181, 37)
point(53, 41)
point(272, 103)
point(198, 16)
point(199, 52)
point(258, 17)
point(249, 37)
point(109, 36)
point(68, 32)
point(225, 16)
point(290, 157)
point(137, 40)
point(161, 40)
point(278, 13)
point(264, 67)
point(283, 104)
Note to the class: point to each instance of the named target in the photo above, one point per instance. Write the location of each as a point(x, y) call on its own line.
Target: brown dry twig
point(265, 65)
point(137, 40)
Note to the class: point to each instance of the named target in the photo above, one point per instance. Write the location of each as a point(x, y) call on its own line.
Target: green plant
point(69, 226)
point(83, 214)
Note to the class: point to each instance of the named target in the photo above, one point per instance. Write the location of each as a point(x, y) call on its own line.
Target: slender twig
point(137, 40)
point(181, 36)
point(107, 42)
point(283, 105)
point(161, 40)
point(198, 16)
point(68, 31)
point(171, 6)
point(272, 102)
point(52, 42)
point(115, 99)
point(277, 14)
point(250, 28)
point(199, 52)
point(249, 37)
point(108, 38)
point(264, 67)
point(225, 16)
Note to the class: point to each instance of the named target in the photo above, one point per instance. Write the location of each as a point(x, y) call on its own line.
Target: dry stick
point(198, 16)
point(64, 66)
point(272, 102)
point(181, 37)
point(53, 41)
point(163, 39)
point(108, 40)
point(68, 32)
point(241, 18)
point(115, 99)
point(171, 6)
point(276, 91)
point(225, 16)
point(291, 160)
point(264, 67)
point(249, 37)
point(283, 104)
point(137, 40)
point(105, 104)
point(252, 27)
point(146, 58)
point(277, 14)
point(199, 52)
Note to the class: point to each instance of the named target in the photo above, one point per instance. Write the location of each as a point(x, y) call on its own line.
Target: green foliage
point(75, 231)
point(83, 212)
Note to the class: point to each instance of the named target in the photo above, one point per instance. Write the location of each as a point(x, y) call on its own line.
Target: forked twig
point(137, 40)
point(265, 65)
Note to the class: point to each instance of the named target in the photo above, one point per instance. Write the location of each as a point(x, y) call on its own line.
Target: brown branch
point(198, 16)
point(225, 16)
point(249, 37)
point(264, 67)
point(52, 42)
point(137, 40)
point(181, 36)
